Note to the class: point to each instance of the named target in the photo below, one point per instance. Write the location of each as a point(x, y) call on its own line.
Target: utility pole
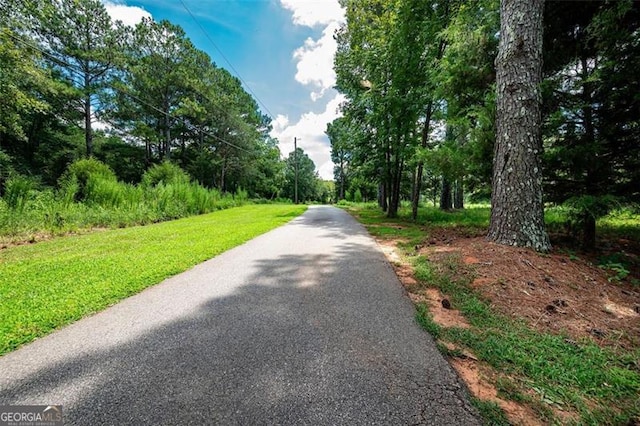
point(295, 159)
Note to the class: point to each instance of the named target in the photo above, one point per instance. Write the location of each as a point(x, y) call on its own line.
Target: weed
point(490, 412)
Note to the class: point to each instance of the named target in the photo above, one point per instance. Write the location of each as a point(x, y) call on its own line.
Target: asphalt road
point(304, 325)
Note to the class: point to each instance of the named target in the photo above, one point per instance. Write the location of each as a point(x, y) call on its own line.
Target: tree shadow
point(314, 338)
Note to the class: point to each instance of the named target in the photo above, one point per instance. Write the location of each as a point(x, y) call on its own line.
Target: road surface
point(304, 325)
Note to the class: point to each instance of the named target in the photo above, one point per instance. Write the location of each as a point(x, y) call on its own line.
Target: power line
point(75, 68)
point(206, 34)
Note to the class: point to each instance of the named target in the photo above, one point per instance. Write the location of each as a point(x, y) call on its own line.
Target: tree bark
point(517, 214)
point(591, 184)
point(417, 185)
point(458, 194)
point(382, 196)
point(88, 133)
point(446, 200)
point(394, 200)
point(342, 178)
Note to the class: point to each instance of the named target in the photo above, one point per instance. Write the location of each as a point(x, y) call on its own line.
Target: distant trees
point(430, 100)
point(309, 185)
point(76, 84)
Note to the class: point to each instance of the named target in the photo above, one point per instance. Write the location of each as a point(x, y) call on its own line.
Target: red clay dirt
point(555, 293)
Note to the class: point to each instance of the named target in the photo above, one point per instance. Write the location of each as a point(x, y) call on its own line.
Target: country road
point(304, 325)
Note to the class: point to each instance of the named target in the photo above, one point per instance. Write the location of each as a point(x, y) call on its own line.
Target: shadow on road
point(316, 338)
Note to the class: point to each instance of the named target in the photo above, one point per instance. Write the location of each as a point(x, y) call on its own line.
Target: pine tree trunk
point(382, 196)
point(517, 214)
point(458, 194)
point(424, 141)
point(591, 160)
point(342, 178)
point(446, 201)
point(589, 232)
point(394, 200)
point(88, 134)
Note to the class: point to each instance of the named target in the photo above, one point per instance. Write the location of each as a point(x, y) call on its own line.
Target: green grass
point(490, 412)
point(46, 285)
point(621, 223)
point(541, 370)
point(601, 384)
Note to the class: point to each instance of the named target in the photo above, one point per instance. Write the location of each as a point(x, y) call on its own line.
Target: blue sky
point(282, 49)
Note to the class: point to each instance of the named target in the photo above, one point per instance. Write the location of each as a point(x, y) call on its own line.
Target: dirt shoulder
point(562, 293)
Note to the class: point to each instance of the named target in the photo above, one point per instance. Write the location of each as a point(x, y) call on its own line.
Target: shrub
point(357, 196)
point(166, 173)
point(17, 191)
point(74, 182)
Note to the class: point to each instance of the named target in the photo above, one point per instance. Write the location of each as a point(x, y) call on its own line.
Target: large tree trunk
point(382, 196)
point(517, 214)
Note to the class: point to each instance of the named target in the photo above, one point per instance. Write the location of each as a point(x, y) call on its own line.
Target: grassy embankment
point(89, 196)
point(49, 284)
point(548, 373)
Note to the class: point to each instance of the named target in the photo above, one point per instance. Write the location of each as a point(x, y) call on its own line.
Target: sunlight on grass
point(544, 371)
point(49, 284)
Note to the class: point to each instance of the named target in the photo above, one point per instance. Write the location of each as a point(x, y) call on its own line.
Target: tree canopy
point(420, 116)
point(74, 84)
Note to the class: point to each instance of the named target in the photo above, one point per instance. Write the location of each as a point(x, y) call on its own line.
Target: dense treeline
point(75, 84)
point(420, 118)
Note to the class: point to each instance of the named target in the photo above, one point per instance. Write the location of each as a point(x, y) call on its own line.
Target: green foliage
point(357, 196)
point(491, 412)
point(588, 206)
point(83, 170)
point(309, 184)
point(616, 264)
point(17, 191)
point(46, 285)
point(90, 196)
point(66, 62)
point(82, 176)
point(165, 173)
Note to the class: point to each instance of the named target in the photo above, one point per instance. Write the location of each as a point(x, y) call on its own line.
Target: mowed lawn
point(49, 284)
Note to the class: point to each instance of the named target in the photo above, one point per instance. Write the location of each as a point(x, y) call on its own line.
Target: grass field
point(49, 284)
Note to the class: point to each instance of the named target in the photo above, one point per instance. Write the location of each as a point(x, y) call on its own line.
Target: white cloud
point(129, 15)
point(315, 62)
point(310, 133)
point(314, 12)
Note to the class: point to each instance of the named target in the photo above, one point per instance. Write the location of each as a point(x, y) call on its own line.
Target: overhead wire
point(75, 68)
point(206, 34)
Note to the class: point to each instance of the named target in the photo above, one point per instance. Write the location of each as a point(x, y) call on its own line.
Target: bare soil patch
point(558, 293)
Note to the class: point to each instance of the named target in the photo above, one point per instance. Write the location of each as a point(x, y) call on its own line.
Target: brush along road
point(306, 324)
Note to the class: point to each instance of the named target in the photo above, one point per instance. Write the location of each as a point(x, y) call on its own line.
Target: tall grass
point(88, 196)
